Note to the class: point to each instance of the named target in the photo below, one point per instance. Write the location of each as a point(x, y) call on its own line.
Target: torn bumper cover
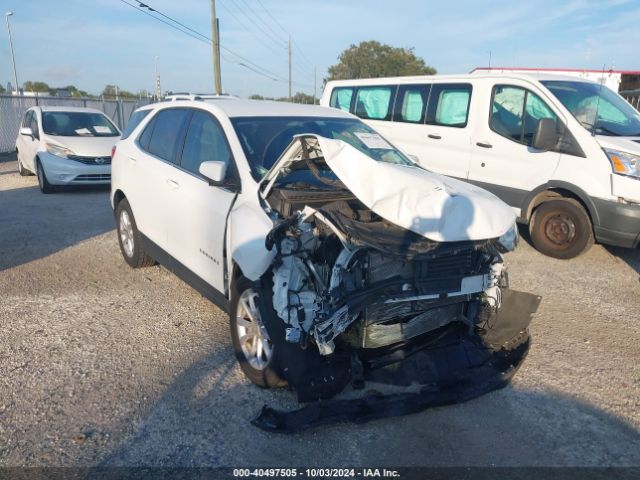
point(454, 368)
point(400, 284)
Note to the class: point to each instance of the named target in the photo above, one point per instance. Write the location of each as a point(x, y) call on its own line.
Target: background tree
point(74, 91)
point(39, 87)
point(112, 91)
point(2, 89)
point(300, 97)
point(373, 59)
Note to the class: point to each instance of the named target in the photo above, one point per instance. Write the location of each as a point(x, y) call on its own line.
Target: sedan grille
point(93, 177)
point(91, 160)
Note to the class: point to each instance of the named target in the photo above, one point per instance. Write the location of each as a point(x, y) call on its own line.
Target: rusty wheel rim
point(560, 229)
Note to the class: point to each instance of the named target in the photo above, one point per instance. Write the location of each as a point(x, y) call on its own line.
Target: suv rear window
point(169, 127)
point(134, 121)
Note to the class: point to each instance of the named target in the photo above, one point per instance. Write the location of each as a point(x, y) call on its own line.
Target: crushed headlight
point(624, 163)
point(58, 150)
point(508, 241)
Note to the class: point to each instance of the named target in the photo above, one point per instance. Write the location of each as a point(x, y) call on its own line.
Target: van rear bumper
point(619, 223)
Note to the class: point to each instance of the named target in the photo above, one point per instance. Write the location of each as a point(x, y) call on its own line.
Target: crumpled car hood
point(439, 208)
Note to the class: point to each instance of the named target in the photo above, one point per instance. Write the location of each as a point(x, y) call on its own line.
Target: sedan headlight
point(508, 241)
point(624, 163)
point(58, 150)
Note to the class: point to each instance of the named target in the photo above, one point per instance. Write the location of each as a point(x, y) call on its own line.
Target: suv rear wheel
point(129, 237)
point(561, 228)
point(255, 351)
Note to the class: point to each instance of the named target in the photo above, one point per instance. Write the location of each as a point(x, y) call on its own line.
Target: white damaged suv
point(339, 260)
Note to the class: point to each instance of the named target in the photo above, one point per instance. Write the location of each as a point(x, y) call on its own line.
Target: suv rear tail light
point(113, 152)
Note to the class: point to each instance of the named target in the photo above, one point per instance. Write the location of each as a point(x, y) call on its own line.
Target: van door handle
point(434, 136)
point(484, 145)
point(173, 184)
point(132, 160)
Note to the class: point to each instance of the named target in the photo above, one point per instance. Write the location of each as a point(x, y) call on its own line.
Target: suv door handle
point(434, 136)
point(484, 145)
point(173, 184)
point(132, 160)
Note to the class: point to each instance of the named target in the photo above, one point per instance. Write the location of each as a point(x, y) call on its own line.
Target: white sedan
point(66, 146)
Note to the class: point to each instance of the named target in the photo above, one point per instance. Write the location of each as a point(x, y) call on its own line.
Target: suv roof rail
point(196, 96)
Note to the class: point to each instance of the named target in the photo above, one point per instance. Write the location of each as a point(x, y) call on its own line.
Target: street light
point(13, 58)
point(157, 80)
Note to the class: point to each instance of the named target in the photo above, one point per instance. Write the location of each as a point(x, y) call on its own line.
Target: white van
point(563, 152)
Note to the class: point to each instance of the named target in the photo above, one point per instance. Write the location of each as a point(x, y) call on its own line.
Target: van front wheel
point(561, 228)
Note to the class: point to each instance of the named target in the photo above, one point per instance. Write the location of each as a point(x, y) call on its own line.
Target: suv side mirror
point(215, 172)
point(546, 137)
point(26, 131)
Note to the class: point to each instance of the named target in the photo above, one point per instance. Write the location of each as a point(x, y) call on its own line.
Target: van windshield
point(597, 108)
point(264, 139)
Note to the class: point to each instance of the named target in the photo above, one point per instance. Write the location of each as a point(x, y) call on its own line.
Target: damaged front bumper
point(453, 368)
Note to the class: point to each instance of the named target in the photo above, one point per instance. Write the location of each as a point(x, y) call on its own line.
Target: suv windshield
point(597, 108)
point(78, 124)
point(264, 139)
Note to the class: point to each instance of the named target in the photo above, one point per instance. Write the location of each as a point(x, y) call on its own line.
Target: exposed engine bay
point(363, 299)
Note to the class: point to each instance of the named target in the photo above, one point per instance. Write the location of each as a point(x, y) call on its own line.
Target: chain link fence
point(12, 110)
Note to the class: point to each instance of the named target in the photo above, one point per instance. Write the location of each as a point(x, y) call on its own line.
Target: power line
point(244, 26)
point(176, 25)
point(276, 34)
point(273, 18)
point(203, 38)
point(286, 32)
point(279, 42)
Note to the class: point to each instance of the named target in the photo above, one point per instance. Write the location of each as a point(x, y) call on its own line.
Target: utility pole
point(13, 58)
point(215, 35)
point(289, 68)
point(314, 85)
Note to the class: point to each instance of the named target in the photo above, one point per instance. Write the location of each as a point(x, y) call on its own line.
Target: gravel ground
point(104, 365)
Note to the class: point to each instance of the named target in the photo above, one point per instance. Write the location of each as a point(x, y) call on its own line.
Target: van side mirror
point(546, 137)
point(26, 131)
point(213, 171)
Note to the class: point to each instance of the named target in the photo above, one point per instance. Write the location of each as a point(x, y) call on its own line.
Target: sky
point(93, 43)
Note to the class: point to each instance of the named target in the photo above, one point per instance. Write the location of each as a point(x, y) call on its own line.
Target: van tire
point(128, 233)
point(561, 228)
point(267, 374)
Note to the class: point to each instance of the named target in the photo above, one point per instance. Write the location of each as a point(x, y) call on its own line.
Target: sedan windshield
point(78, 124)
point(597, 108)
point(264, 139)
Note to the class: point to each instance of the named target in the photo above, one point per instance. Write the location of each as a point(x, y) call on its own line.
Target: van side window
point(411, 103)
point(341, 98)
point(449, 105)
point(374, 103)
point(516, 112)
